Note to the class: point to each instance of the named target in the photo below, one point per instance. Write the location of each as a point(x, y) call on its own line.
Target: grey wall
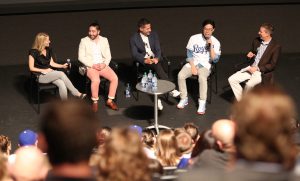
point(236, 26)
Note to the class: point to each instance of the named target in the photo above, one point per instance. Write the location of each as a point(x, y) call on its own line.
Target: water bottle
point(144, 80)
point(150, 75)
point(127, 91)
point(69, 65)
point(154, 82)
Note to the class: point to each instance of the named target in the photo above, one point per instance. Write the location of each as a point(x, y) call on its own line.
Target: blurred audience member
point(178, 131)
point(185, 146)
point(222, 153)
point(193, 130)
point(155, 168)
point(102, 136)
point(167, 151)
point(205, 141)
point(148, 140)
point(123, 158)
point(263, 140)
point(68, 135)
point(5, 145)
point(30, 164)
point(4, 175)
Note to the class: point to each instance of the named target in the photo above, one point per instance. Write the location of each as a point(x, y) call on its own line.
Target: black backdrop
point(236, 25)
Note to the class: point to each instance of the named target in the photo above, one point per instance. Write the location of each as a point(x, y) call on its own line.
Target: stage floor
point(18, 114)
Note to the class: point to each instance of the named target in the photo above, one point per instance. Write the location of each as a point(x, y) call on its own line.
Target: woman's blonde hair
point(167, 150)
point(39, 41)
point(123, 158)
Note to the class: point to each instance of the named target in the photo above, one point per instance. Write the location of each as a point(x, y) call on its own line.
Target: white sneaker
point(175, 93)
point(159, 105)
point(201, 108)
point(182, 103)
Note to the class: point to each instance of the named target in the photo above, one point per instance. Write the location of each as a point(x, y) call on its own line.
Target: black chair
point(103, 82)
point(36, 86)
point(140, 69)
point(213, 75)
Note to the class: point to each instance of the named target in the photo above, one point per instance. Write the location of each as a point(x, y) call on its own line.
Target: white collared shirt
point(149, 52)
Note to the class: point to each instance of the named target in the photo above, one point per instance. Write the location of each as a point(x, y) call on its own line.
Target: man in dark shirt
point(68, 135)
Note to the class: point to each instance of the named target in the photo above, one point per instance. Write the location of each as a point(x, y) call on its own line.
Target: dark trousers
point(161, 74)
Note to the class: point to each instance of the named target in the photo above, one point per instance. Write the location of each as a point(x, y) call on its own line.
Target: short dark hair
point(269, 27)
point(142, 22)
point(96, 25)
point(208, 21)
point(70, 129)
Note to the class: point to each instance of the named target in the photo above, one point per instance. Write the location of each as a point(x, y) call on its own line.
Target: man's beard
point(93, 37)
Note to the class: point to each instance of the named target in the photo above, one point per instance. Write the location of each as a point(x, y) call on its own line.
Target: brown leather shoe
point(95, 106)
point(112, 105)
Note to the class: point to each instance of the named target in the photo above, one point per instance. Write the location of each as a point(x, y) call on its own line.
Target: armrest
point(114, 65)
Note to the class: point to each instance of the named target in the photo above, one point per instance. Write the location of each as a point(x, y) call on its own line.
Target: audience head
point(144, 26)
point(94, 30)
point(41, 41)
point(223, 131)
point(206, 141)
point(263, 121)
point(5, 145)
point(177, 131)
point(193, 130)
point(148, 138)
point(30, 164)
point(184, 142)
point(68, 129)
point(123, 157)
point(167, 150)
point(102, 135)
point(27, 137)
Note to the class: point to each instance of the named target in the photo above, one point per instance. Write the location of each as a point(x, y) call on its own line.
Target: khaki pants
point(241, 76)
point(185, 73)
point(61, 81)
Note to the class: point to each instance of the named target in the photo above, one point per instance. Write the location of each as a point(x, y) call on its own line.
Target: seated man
point(264, 54)
point(145, 48)
point(94, 53)
point(202, 50)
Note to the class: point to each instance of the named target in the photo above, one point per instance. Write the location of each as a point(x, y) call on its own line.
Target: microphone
point(208, 45)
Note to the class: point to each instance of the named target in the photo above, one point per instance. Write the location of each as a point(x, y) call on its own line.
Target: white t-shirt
point(198, 46)
point(97, 57)
point(149, 52)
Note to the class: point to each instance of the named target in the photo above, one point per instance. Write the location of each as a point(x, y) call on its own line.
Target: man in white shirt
point(202, 50)
point(94, 53)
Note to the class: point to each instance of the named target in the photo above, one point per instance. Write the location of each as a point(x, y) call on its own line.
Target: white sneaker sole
point(179, 107)
point(200, 113)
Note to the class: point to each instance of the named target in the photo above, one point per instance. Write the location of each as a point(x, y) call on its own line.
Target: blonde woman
point(167, 151)
point(41, 61)
point(123, 158)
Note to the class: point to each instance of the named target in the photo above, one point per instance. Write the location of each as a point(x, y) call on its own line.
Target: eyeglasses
point(208, 29)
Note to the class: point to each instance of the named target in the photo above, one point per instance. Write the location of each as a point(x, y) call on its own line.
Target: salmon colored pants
point(94, 75)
